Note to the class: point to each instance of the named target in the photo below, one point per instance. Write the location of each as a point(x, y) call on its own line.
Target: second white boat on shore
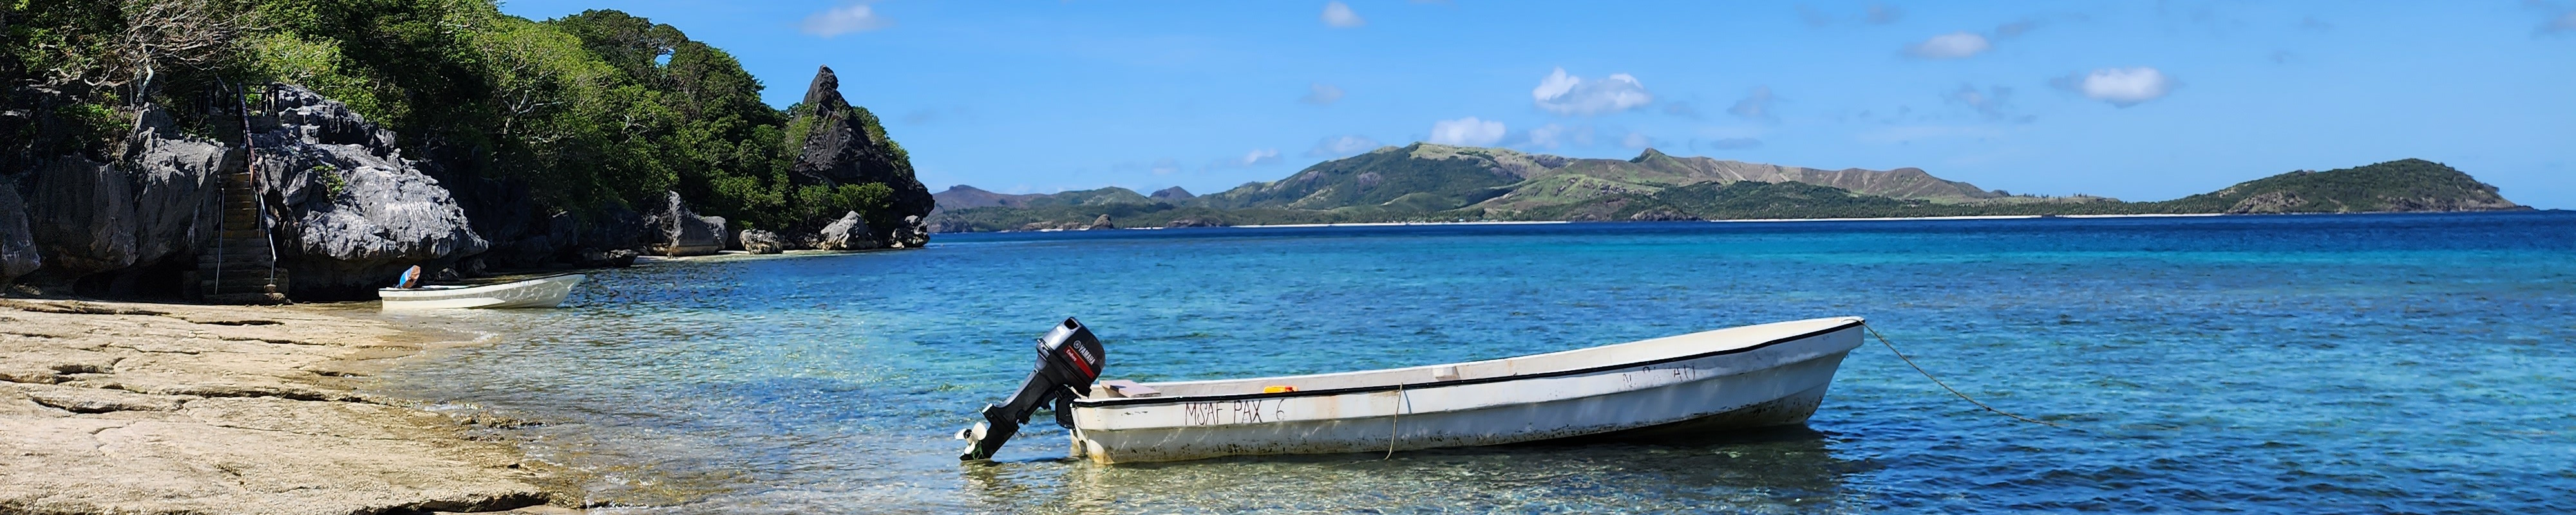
point(542, 292)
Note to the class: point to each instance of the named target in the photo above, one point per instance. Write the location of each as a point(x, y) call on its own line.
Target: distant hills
point(1424, 182)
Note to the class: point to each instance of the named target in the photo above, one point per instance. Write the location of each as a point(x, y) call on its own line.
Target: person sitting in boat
point(410, 278)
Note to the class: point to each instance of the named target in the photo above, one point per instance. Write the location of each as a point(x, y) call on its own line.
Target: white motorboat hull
point(1746, 377)
point(542, 292)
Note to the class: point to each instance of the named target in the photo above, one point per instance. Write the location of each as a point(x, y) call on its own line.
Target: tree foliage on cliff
point(592, 110)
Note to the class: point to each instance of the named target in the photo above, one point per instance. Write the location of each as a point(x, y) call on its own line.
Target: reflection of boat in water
point(1729, 379)
point(542, 292)
point(1777, 469)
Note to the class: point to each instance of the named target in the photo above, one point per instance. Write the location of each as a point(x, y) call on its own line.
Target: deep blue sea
point(2262, 364)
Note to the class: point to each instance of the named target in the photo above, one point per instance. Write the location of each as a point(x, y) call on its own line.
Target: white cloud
point(1258, 156)
point(1756, 105)
point(1322, 94)
point(1567, 94)
point(844, 20)
point(1339, 146)
point(1955, 45)
point(1467, 131)
point(1339, 15)
point(1165, 166)
point(2122, 87)
point(1636, 140)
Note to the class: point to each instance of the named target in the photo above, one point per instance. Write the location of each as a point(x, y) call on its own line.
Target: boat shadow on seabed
point(1782, 466)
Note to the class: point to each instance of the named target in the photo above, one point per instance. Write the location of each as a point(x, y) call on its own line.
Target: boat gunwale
point(1160, 400)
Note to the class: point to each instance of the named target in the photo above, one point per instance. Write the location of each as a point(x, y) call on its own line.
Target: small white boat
point(542, 292)
point(1738, 378)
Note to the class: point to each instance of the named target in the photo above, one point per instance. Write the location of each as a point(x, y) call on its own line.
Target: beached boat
point(542, 292)
point(1744, 377)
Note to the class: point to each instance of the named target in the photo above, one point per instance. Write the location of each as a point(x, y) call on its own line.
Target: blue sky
point(2136, 100)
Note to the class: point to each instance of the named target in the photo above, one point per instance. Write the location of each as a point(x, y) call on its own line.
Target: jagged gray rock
point(848, 146)
point(354, 211)
point(18, 254)
point(153, 208)
point(1101, 223)
point(761, 242)
point(177, 187)
point(911, 235)
point(85, 217)
point(679, 232)
point(848, 233)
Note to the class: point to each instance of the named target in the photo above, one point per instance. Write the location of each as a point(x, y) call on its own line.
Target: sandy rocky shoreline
point(158, 408)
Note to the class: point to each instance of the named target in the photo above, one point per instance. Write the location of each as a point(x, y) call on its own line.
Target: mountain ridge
point(1430, 182)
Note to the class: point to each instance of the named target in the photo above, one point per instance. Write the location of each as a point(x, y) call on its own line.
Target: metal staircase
point(241, 267)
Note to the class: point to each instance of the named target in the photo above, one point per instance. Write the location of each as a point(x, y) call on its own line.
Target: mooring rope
point(1891, 347)
point(1392, 432)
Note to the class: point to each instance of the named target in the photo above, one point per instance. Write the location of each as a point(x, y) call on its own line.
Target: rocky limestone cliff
point(111, 227)
point(349, 210)
point(844, 144)
point(18, 254)
point(345, 209)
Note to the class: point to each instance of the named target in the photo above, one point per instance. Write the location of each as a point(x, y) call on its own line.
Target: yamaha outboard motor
point(1069, 359)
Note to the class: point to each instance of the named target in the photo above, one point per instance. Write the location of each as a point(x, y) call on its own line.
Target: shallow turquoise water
point(2281, 364)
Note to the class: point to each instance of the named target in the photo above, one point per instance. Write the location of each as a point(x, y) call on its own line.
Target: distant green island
point(1432, 183)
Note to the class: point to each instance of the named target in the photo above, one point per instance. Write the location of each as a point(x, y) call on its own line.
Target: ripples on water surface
point(2287, 364)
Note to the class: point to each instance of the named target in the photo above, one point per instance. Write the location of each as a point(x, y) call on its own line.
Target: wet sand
point(161, 408)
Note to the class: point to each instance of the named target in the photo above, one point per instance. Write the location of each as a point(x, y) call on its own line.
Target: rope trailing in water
point(1891, 347)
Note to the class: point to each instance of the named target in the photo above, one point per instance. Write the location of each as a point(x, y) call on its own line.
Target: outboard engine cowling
point(1069, 360)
